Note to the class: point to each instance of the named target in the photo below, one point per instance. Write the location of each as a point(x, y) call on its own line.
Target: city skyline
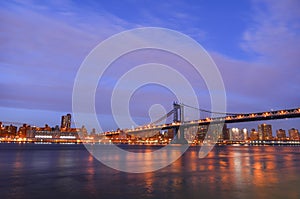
point(149, 99)
point(254, 45)
point(263, 131)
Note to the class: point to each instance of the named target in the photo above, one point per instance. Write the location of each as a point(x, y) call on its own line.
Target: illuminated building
point(254, 135)
point(245, 133)
point(190, 133)
point(83, 131)
point(225, 133)
point(265, 131)
point(8, 131)
point(93, 133)
point(170, 134)
point(236, 134)
point(294, 134)
point(201, 132)
point(280, 134)
point(26, 131)
point(65, 121)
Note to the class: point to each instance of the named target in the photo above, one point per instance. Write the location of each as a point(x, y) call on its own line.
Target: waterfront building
point(83, 132)
point(294, 134)
point(254, 135)
point(226, 133)
point(170, 134)
point(201, 132)
point(265, 131)
point(190, 133)
point(93, 133)
point(8, 131)
point(25, 131)
point(66, 121)
point(236, 134)
point(215, 132)
point(280, 134)
point(245, 134)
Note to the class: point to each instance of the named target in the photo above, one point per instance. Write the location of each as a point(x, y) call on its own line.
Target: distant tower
point(254, 135)
point(265, 131)
point(294, 134)
point(66, 121)
point(280, 134)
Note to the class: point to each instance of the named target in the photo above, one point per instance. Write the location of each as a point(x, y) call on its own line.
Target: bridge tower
point(178, 111)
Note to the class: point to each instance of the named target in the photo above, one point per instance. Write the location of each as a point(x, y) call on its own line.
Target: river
point(70, 171)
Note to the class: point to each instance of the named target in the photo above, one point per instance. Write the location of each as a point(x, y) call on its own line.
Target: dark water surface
point(69, 171)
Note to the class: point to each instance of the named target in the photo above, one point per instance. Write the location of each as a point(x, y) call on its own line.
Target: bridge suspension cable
point(206, 111)
point(198, 109)
point(163, 117)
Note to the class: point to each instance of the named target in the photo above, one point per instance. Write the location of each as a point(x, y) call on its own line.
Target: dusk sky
point(255, 45)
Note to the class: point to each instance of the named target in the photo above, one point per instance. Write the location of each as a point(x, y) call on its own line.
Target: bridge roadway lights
point(179, 136)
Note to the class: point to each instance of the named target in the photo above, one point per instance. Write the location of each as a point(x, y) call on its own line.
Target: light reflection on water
point(49, 171)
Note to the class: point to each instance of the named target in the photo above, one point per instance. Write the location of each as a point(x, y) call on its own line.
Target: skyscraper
point(280, 133)
point(294, 134)
point(265, 131)
point(65, 121)
point(235, 134)
point(254, 135)
point(245, 134)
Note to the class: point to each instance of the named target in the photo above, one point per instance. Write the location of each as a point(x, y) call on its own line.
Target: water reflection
point(242, 171)
point(91, 187)
point(144, 159)
point(227, 172)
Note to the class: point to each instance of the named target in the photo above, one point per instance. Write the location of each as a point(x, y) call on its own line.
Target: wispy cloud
point(274, 31)
point(43, 45)
point(271, 78)
point(41, 51)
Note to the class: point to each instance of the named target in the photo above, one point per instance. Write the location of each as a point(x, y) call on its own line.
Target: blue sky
point(255, 45)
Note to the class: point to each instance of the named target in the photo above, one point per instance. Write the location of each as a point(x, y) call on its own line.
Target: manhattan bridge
point(214, 119)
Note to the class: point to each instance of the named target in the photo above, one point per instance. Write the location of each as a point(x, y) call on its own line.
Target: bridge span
point(229, 118)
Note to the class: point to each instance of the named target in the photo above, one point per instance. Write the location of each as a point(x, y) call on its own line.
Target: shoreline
point(79, 142)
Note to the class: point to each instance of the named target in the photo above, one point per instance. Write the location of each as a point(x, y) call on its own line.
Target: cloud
point(270, 79)
point(274, 32)
point(43, 45)
point(42, 49)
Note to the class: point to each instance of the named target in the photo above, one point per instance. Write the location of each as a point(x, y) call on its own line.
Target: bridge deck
point(249, 117)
